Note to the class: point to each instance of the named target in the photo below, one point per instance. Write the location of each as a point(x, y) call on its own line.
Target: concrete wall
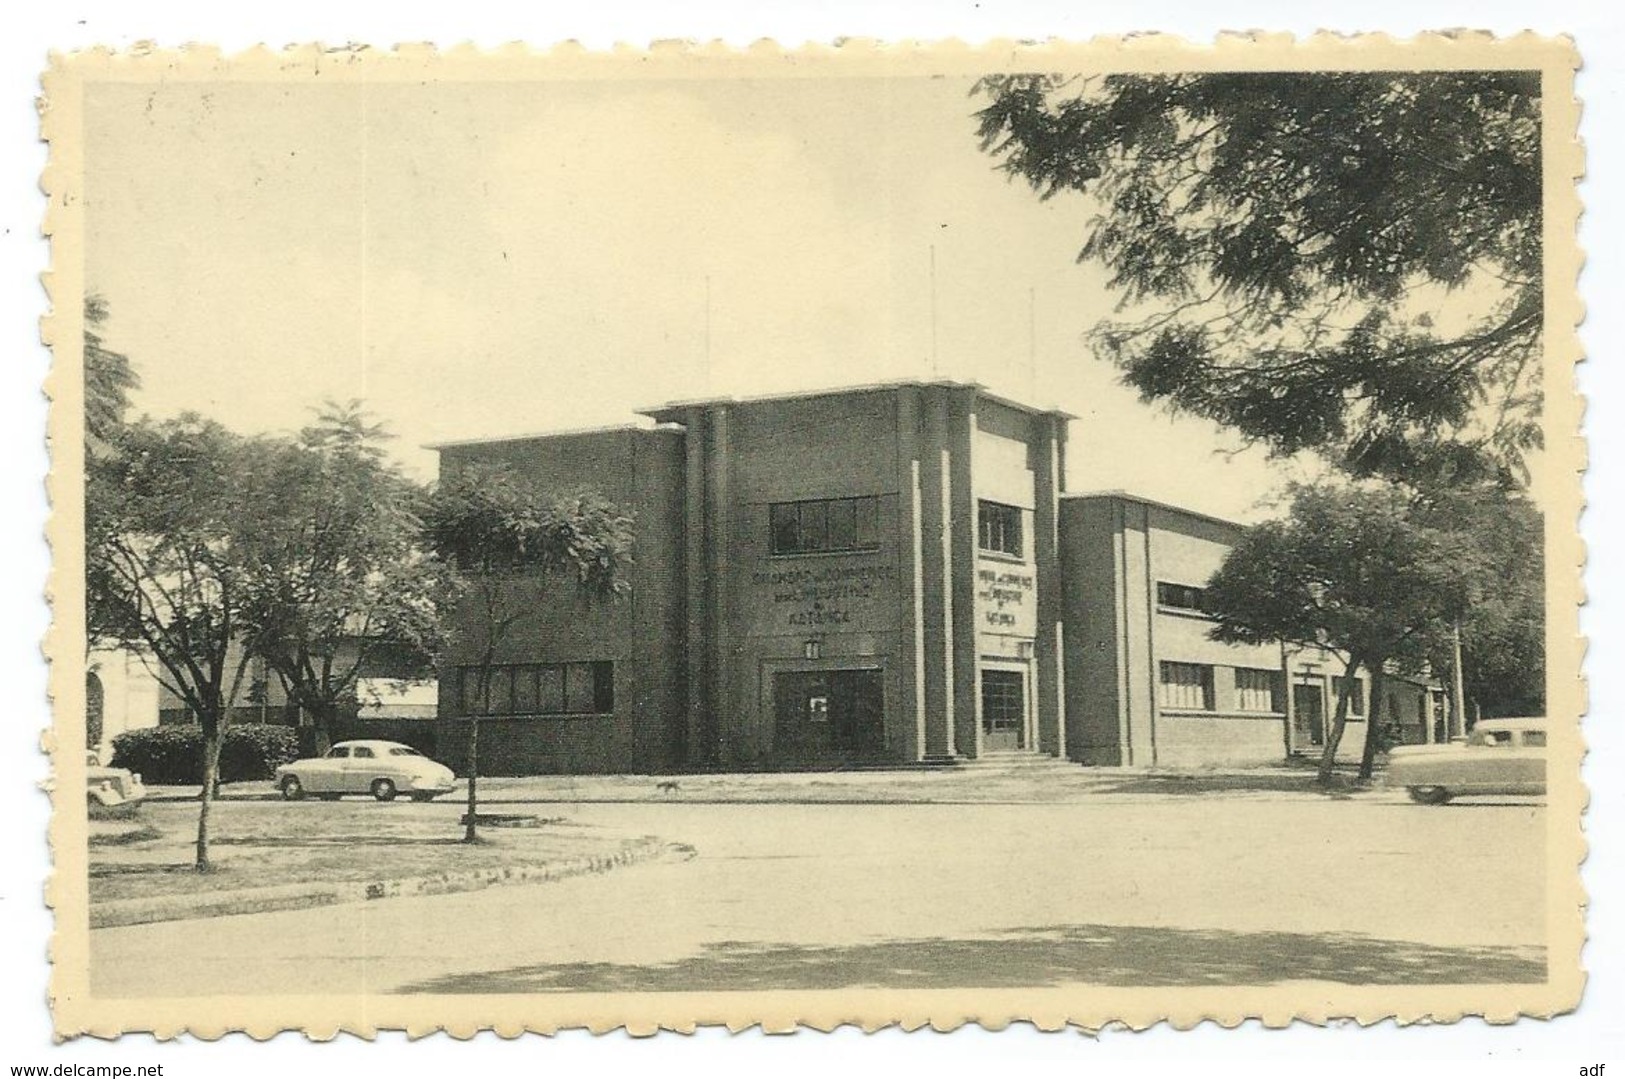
point(1091, 608)
point(640, 633)
point(909, 609)
point(850, 603)
point(1115, 550)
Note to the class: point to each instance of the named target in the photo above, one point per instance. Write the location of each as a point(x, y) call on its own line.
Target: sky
point(485, 259)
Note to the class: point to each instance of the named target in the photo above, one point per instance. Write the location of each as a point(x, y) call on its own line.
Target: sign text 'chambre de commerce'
point(823, 597)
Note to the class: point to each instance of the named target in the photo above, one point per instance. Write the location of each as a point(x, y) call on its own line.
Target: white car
point(1501, 756)
point(366, 766)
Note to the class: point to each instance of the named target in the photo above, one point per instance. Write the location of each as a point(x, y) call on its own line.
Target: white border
point(1595, 1034)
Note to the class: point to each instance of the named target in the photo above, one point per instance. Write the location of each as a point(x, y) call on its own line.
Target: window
point(1187, 685)
point(338, 752)
point(1258, 690)
point(999, 528)
point(545, 689)
point(825, 524)
point(1356, 694)
point(550, 698)
point(578, 684)
point(361, 752)
point(403, 751)
point(1180, 597)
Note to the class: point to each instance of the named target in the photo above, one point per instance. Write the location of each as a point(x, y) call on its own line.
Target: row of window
point(823, 525)
point(544, 689)
point(1190, 687)
point(826, 524)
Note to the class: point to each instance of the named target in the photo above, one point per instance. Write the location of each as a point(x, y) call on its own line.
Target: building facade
point(1147, 686)
point(883, 575)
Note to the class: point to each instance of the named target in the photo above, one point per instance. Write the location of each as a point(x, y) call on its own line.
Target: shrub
point(174, 755)
point(253, 752)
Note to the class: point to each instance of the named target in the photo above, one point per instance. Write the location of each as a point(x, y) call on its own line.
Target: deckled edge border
point(75, 1013)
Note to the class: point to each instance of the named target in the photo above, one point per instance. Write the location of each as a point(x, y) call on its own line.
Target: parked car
point(366, 766)
point(1500, 756)
point(113, 792)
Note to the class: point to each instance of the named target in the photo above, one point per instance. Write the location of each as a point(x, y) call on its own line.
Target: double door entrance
point(829, 717)
point(1006, 722)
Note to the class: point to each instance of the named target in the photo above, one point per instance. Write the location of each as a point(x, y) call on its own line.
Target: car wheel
point(1429, 796)
point(292, 789)
point(383, 790)
point(423, 796)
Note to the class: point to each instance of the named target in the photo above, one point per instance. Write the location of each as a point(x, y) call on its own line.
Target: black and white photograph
point(1071, 534)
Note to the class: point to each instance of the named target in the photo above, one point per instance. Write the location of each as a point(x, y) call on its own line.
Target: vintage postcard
point(902, 534)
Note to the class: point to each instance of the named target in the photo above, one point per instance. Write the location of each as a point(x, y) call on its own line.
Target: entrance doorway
point(1308, 716)
point(829, 716)
point(1004, 710)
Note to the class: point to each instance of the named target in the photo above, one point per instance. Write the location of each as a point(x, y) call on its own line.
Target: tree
point(109, 378)
point(1503, 636)
point(165, 513)
point(1343, 262)
point(338, 575)
point(515, 547)
point(1366, 572)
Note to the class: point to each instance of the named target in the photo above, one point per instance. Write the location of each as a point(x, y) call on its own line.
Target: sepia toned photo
point(884, 534)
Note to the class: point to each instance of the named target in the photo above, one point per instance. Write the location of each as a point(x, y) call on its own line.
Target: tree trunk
point(211, 776)
point(1373, 720)
point(321, 726)
point(471, 832)
point(1334, 737)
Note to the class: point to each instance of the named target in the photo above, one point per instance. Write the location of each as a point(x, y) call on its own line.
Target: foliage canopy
point(1344, 262)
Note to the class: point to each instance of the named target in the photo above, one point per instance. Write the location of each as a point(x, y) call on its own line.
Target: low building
point(1146, 684)
point(882, 575)
point(122, 694)
point(393, 700)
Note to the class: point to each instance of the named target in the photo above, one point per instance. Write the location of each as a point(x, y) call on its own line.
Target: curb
point(123, 912)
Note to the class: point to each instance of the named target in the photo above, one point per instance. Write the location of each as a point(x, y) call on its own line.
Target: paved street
point(1129, 889)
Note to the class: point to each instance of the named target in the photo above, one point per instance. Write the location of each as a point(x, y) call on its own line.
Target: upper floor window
point(999, 528)
point(825, 524)
point(1180, 597)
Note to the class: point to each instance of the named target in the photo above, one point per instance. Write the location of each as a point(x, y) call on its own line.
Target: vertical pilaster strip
point(908, 670)
point(1046, 537)
point(1120, 635)
point(698, 746)
point(728, 741)
point(936, 639)
point(962, 577)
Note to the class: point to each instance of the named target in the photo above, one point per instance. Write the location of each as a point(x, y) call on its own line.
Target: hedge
point(174, 755)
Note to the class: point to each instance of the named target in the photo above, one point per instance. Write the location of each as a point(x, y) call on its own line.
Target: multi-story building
point(879, 575)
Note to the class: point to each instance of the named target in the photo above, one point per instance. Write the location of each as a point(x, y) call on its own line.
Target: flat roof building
point(878, 575)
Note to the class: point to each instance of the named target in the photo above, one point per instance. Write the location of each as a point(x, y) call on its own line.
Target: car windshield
point(1491, 738)
point(404, 751)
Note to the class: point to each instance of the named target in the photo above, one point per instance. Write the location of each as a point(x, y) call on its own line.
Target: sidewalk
point(1034, 781)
